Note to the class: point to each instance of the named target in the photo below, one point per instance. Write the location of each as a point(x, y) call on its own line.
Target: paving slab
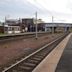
point(49, 64)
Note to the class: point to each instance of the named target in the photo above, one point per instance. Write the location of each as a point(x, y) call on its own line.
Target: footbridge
point(58, 26)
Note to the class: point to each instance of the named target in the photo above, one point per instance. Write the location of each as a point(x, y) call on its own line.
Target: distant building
point(40, 24)
point(26, 24)
point(1, 27)
point(30, 24)
point(12, 26)
point(58, 27)
point(22, 25)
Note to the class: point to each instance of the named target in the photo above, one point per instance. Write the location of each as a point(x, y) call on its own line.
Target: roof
point(38, 21)
point(57, 23)
point(12, 22)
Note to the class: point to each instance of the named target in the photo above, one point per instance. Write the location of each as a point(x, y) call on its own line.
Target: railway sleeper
point(37, 59)
point(32, 61)
point(21, 69)
point(39, 56)
point(29, 64)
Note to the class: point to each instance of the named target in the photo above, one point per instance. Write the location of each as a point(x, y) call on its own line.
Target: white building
point(12, 26)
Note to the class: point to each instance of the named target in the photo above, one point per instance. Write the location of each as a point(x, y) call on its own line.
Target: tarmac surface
point(65, 63)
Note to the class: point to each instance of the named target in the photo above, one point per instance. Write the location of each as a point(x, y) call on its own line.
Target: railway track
point(28, 63)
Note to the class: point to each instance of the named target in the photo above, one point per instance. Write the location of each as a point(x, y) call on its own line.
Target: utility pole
point(52, 19)
point(36, 22)
point(53, 26)
point(4, 24)
point(36, 26)
point(6, 30)
point(20, 24)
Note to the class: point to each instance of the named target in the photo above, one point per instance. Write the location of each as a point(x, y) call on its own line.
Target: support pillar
point(52, 30)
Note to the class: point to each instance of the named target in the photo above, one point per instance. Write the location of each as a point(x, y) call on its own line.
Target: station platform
point(65, 63)
point(55, 61)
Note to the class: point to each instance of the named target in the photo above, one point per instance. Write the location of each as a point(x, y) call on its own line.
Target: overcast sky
point(61, 10)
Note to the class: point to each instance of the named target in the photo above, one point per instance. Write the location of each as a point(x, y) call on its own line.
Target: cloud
point(27, 8)
point(16, 8)
point(20, 8)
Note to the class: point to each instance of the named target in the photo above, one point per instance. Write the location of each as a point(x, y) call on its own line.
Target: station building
point(11, 26)
point(29, 25)
point(26, 24)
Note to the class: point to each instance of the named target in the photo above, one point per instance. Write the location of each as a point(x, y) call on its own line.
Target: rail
point(28, 63)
